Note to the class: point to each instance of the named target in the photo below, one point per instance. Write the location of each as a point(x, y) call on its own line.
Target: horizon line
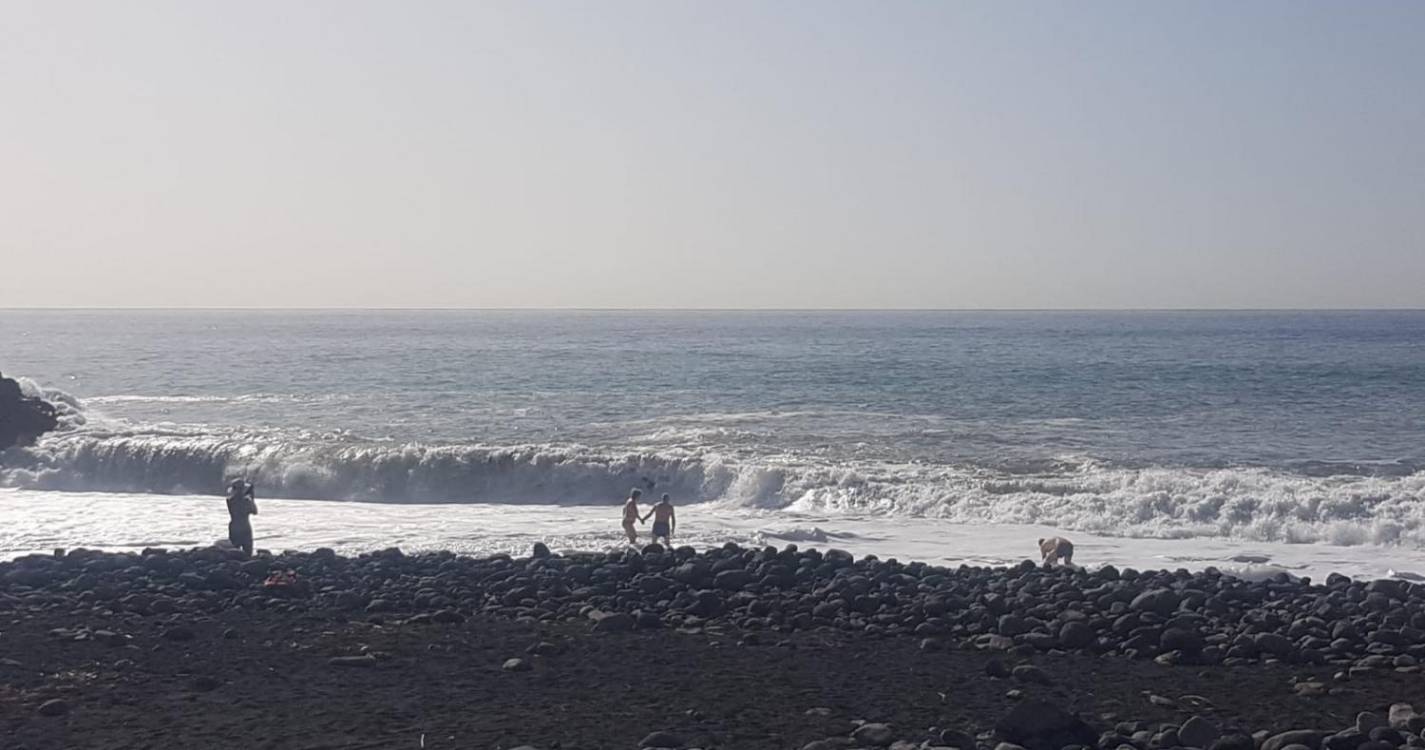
point(337, 308)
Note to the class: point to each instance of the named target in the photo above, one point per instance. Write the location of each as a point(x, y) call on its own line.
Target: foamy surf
point(1248, 504)
point(39, 521)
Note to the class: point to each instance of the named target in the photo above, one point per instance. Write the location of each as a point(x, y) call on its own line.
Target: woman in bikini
point(630, 514)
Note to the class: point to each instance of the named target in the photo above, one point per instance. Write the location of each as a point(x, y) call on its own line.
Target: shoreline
point(43, 520)
point(724, 647)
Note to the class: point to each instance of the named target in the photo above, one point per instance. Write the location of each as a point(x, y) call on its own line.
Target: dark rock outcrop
point(23, 419)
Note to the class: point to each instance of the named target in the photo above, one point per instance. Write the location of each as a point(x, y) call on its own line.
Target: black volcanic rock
point(22, 419)
point(1040, 725)
point(1182, 617)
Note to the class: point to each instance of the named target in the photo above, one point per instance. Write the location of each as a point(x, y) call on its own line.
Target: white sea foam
point(71, 413)
point(241, 398)
point(39, 521)
point(1242, 503)
point(125, 398)
point(95, 453)
point(814, 534)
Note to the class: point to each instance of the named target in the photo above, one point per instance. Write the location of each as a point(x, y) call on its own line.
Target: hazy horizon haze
point(642, 155)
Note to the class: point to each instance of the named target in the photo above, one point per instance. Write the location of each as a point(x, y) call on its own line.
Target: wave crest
point(339, 469)
point(93, 454)
point(1245, 503)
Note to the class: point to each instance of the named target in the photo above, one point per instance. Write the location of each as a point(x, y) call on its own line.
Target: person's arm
point(252, 500)
point(672, 522)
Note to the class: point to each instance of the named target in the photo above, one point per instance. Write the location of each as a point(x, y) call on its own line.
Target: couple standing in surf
point(665, 521)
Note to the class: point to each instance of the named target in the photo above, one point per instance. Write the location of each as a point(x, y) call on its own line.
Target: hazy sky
point(712, 154)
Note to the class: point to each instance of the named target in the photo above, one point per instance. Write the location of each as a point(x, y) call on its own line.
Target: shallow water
point(39, 522)
point(1258, 428)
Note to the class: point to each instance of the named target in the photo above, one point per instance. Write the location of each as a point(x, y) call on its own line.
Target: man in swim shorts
point(665, 522)
point(630, 514)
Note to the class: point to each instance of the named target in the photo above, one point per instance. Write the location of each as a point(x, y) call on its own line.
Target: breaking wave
point(333, 467)
point(1246, 503)
point(1250, 503)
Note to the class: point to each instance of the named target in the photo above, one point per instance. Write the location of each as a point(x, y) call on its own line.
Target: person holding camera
point(242, 504)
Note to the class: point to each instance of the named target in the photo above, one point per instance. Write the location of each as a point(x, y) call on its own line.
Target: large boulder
point(1181, 639)
point(1040, 725)
point(612, 622)
point(732, 580)
point(1076, 635)
point(1158, 601)
point(23, 419)
point(874, 735)
point(662, 740)
point(1308, 737)
point(1198, 732)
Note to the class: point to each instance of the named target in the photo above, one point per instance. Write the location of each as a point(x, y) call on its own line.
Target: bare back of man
point(665, 521)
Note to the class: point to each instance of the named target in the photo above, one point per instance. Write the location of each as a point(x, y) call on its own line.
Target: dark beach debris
point(204, 684)
point(544, 648)
point(53, 707)
point(362, 660)
point(612, 622)
point(662, 740)
point(178, 633)
point(1198, 731)
point(874, 735)
point(1031, 674)
point(1040, 725)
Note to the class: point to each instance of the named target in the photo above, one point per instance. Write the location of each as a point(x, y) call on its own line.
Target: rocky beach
point(726, 647)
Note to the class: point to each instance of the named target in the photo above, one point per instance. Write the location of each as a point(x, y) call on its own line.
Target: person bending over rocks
point(241, 505)
point(630, 514)
point(665, 522)
point(1057, 549)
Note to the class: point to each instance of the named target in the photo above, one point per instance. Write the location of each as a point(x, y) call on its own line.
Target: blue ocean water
point(1263, 424)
